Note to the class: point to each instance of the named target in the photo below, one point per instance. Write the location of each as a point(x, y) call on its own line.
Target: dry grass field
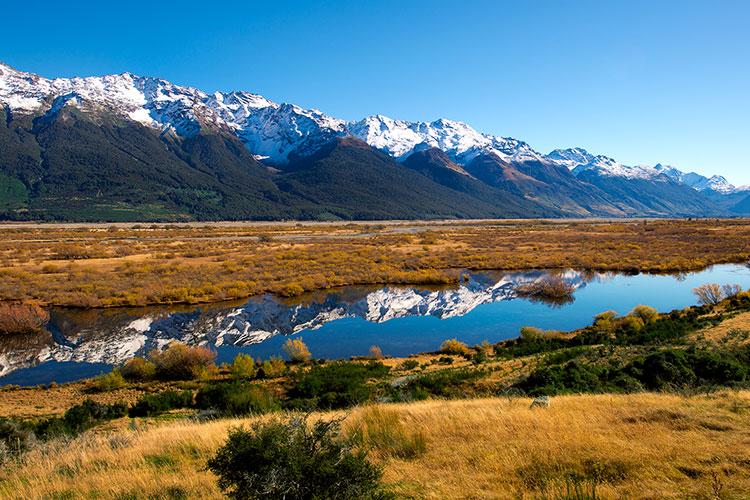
point(132, 264)
point(624, 446)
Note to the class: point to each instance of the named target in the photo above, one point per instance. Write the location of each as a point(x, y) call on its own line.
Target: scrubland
point(122, 265)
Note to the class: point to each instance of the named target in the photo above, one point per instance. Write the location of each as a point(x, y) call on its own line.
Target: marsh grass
point(91, 266)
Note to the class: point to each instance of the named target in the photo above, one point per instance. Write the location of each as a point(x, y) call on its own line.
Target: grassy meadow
point(616, 446)
point(135, 264)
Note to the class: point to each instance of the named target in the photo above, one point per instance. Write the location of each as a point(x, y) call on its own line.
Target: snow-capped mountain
point(400, 138)
point(579, 160)
point(280, 134)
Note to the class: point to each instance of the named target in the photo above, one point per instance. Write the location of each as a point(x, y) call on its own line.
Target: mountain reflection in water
point(350, 320)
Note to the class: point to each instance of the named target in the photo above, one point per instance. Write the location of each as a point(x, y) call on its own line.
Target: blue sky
point(644, 82)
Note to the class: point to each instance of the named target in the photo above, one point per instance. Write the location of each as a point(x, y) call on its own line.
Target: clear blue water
point(87, 343)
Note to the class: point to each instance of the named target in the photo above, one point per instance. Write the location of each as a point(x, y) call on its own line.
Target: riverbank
point(128, 265)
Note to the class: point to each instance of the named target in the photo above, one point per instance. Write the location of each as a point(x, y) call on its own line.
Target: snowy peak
point(277, 132)
point(461, 142)
point(579, 161)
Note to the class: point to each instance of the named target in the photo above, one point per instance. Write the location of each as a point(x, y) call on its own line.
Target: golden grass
point(639, 446)
point(734, 330)
point(97, 265)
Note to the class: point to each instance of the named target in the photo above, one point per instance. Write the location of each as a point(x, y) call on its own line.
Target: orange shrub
point(21, 318)
point(297, 350)
point(182, 362)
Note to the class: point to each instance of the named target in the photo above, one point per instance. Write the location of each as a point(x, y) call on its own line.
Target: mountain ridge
point(278, 138)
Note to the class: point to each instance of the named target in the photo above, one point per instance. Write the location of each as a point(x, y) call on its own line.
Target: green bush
point(243, 367)
point(236, 398)
point(108, 382)
point(294, 460)
point(138, 370)
point(662, 369)
point(450, 383)
point(272, 368)
point(154, 404)
point(409, 364)
point(15, 438)
point(335, 385)
point(80, 418)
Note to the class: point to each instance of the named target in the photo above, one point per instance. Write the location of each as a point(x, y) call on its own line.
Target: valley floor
point(621, 446)
point(141, 264)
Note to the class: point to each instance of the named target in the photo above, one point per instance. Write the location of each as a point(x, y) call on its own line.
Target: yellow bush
point(243, 366)
point(454, 346)
point(297, 350)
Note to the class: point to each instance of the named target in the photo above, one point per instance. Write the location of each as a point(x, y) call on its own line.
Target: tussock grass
point(623, 446)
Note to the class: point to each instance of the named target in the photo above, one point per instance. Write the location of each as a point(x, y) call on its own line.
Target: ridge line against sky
point(642, 83)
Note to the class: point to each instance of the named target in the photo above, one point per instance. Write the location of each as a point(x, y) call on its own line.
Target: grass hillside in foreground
point(624, 446)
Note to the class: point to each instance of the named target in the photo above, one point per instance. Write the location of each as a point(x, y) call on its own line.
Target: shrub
point(138, 370)
point(15, 438)
point(606, 320)
point(154, 404)
point(645, 313)
point(108, 382)
point(409, 364)
point(181, 362)
point(294, 460)
point(243, 367)
point(551, 289)
point(454, 346)
point(297, 350)
point(532, 333)
point(273, 367)
point(335, 385)
point(21, 318)
point(443, 383)
point(376, 353)
point(235, 398)
point(382, 429)
point(80, 418)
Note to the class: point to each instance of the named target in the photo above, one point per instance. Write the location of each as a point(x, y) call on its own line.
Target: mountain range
point(125, 147)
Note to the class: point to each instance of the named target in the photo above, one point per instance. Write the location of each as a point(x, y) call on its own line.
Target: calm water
point(339, 324)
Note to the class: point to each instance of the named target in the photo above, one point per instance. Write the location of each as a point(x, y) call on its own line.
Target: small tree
point(273, 367)
point(294, 460)
point(297, 350)
point(243, 367)
point(709, 294)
